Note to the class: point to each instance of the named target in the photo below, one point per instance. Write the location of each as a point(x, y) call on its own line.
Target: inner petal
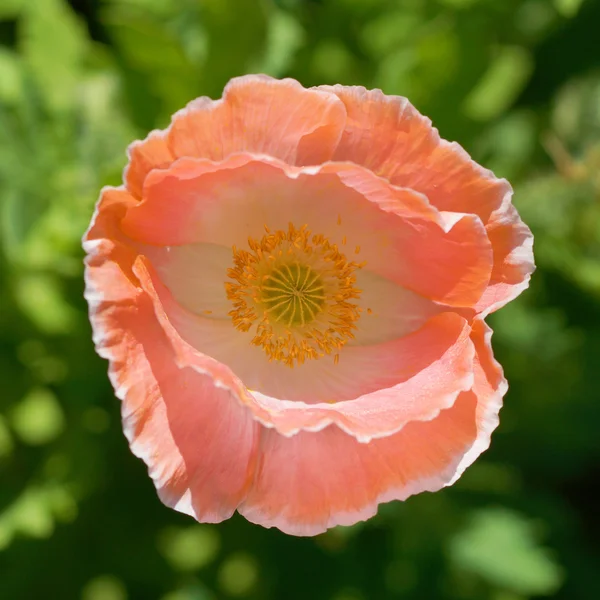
point(315, 380)
point(395, 231)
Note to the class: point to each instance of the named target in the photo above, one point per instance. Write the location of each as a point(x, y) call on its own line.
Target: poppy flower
point(290, 289)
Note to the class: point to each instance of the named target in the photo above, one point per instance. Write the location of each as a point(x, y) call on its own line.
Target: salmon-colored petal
point(446, 258)
point(360, 370)
point(145, 155)
point(389, 136)
point(260, 114)
point(196, 438)
point(256, 114)
point(104, 240)
point(512, 242)
point(489, 388)
point(313, 481)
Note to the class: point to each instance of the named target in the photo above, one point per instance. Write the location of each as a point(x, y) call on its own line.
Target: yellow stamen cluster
point(296, 291)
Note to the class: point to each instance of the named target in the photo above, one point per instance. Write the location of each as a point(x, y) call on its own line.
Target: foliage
point(516, 82)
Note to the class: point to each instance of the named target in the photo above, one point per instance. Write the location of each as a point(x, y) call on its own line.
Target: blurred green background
point(517, 82)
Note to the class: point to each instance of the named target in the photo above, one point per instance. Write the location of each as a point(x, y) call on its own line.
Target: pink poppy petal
point(197, 440)
point(389, 136)
point(313, 481)
point(406, 380)
point(394, 311)
point(513, 259)
point(145, 155)
point(303, 127)
point(306, 126)
point(399, 235)
point(260, 114)
point(489, 388)
point(348, 480)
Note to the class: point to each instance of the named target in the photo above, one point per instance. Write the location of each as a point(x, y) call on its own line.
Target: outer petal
point(145, 155)
point(197, 440)
point(305, 484)
point(489, 388)
point(389, 136)
point(256, 114)
point(313, 481)
point(399, 235)
point(512, 242)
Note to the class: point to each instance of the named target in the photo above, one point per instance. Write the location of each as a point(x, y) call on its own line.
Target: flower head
point(290, 289)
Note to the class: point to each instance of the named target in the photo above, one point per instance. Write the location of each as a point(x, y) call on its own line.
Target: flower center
point(295, 292)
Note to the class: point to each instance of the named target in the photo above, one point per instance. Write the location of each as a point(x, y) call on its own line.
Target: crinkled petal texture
point(410, 398)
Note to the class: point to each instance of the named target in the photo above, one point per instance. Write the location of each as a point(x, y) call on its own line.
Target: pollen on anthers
point(296, 293)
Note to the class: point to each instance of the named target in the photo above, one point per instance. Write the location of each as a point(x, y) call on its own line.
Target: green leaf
point(420, 70)
point(34, 512)
point(506, 76)
point(332, 62)
point(507, 147)
point(6, 442)
point(104, 587)
point(53, 43)
point(576, 112)
point(19, 213)
point(237, 34)
point(238, 574)
point(10, 9)
point(40, 298)
point(389, 31)
point(38, 418)
point(500, 546)
point(152, 50)
point(192, 591)
point(568, 8)
point(190, 548)
point(285, 37)
point(11, 86)
point(458, 4)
